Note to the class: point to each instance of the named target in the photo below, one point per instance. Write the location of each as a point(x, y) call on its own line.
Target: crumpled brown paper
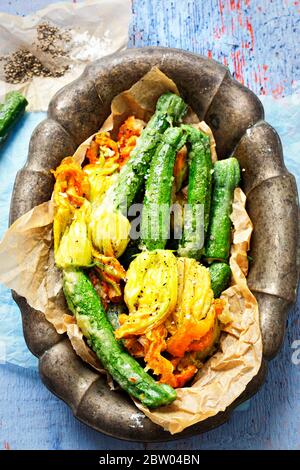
point(31, 272)
point(98, 19)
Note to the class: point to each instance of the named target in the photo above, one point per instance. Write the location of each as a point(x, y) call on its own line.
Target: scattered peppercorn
point(22, 64)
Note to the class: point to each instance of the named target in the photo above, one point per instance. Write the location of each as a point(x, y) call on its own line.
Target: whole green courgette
point(226, 177)
point(220, 274)
point(10, 111)
point(86, 306)
point(170, 108)
point(199, 194)
point(157, 200)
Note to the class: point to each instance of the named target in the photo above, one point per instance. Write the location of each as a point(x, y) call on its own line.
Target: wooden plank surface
point(258, 40)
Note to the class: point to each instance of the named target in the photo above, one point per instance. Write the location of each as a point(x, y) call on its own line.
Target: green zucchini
point(199, 194)
point(170, 108)
point(10, 111)
point(220, 274)
point(157, 200)
point(226, 177)
point(86, 306)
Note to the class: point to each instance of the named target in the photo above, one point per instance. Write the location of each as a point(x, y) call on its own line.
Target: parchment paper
point(31, 272)
point(106, 20)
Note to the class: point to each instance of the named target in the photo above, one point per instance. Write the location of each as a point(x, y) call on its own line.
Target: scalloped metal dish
point(236, 117)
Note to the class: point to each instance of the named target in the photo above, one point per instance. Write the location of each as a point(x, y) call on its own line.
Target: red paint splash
point(236, 5)
point(251, 32)
point(219, 31)
point(221, 9)
point(6, 445)
point(265, 68)
point(261, 78)
point(209, 54)
point(240, 23)
point(278, 91)
point(238, 59)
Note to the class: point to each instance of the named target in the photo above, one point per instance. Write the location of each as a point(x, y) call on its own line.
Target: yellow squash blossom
point(103, 165)
point(150, 292)
point(109, 231)
point(194, 315)
point(72, 247)
point(75, 247)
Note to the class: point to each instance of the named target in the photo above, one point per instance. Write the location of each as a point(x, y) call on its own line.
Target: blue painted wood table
point(258, 40)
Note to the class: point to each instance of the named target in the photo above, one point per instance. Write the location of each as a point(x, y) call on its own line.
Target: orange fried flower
point(110, 274)
point(161, 366)
point(71, 181)
point(128, 134)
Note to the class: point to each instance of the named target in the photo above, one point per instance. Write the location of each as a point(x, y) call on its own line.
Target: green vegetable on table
point(10, 111)
point(170, 108)
point(220, 274)
point(226, 177)
point(157, 200)
point(199, 194)
point(86, 306)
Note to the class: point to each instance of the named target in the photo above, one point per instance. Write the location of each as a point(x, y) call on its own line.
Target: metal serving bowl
point(236, 118)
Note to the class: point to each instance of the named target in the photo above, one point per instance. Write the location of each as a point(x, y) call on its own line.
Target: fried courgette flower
point(101, 171)
point(72, 246)
point(195, 313)
point(128, 134)
point(150, 292)
point(86, 230)
point(106, 276)
point(109, 228)
point(173, 318)
point(165, 368)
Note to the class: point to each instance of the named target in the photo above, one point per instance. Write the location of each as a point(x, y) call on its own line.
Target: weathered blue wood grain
point(30, 416)
point(257, 39)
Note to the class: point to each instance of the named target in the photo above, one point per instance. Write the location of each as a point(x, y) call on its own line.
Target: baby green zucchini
point(86, 306)
point(199, 194)
point(157, 200)
point(220, 274)
point(226, 178)
point(170, 108)
point(10, 111)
